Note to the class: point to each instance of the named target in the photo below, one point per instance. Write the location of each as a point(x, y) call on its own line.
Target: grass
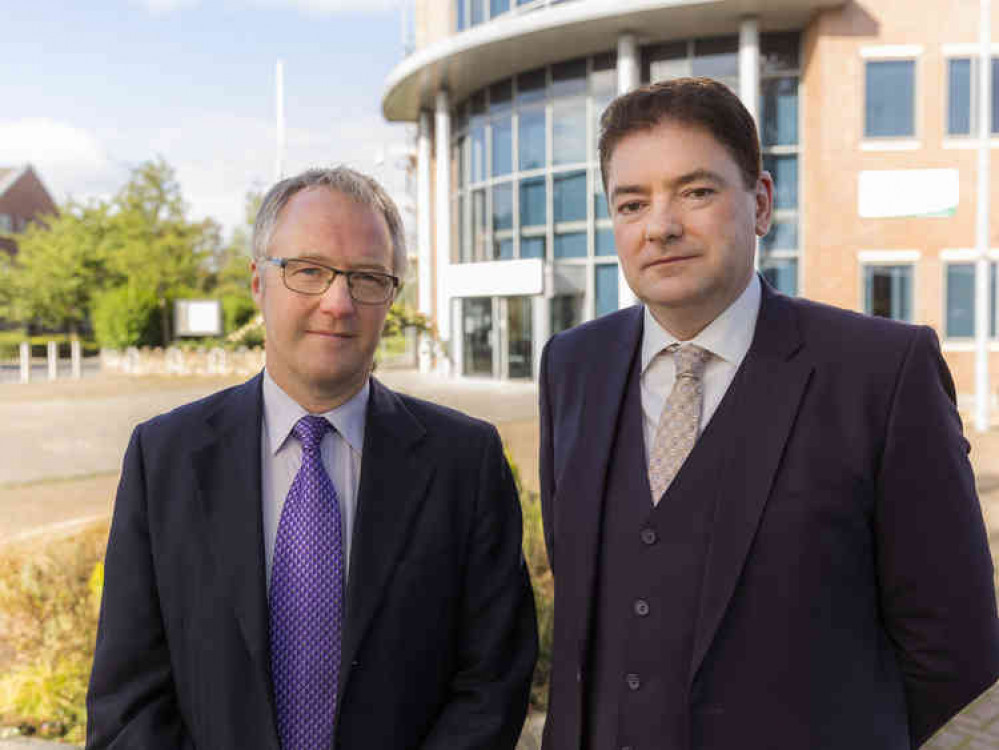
point(49, 601)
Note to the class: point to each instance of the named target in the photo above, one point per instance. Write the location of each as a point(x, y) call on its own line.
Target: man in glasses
point(310, 559)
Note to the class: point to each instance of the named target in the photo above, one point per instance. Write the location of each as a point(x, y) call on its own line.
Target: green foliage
point(237, 311)
point(401, 316)
point(49, 601)
point(59, 264)
point(127, 316)
point(543, 583)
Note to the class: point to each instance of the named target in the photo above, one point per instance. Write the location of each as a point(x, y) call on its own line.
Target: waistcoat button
point(649, 536)
point(641, 607)
point(634, 681)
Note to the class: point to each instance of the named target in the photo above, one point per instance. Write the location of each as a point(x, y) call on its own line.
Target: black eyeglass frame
point(282, 263)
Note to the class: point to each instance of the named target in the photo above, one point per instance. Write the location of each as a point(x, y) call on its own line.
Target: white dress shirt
point(281, 458)
point(727, 337)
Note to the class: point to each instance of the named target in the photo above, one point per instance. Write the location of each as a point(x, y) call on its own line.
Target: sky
point(92, 88)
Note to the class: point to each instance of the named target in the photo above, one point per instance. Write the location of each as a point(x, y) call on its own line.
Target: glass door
point(477, 319)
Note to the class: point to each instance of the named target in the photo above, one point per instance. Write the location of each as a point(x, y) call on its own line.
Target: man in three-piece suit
point(759, 510)
point(311, 561)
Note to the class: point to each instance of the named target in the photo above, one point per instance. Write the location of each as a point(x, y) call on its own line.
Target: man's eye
point(701, 192)
point(629, 207)
point(308, 271)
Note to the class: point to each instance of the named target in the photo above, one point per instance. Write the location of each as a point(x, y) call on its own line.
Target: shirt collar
point(281, 412)
point(727, 337)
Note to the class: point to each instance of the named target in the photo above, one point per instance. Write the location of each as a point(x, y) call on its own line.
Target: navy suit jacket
point(848, 597)
point(439, 631)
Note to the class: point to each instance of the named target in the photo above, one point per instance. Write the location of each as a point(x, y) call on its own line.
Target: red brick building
point(23, 198)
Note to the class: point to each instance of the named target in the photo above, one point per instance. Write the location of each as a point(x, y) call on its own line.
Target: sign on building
point(197, 317)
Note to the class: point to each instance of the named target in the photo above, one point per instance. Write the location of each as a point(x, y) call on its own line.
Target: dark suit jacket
point(848, 578)
point(439, 632)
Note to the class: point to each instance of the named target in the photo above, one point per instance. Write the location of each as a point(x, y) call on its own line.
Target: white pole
point(74, 353)
point(629, 76)
point(25, 352)
point(53, 360)
point(423, 236)
point(279, 116)
point(982, 291)
point(749, 80)
point(442, 200)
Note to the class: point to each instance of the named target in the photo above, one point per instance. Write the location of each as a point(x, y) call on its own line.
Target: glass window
point(532, 247)
point(781, 274)
point(477, 136)
point(501, 96)
point(783, 235)
point(779, 52)
point(959, 97)
point(717, 58)
point(477, 326)
point(531, 133)
point(478, 11)
point(479, 225)
point(502, 206)
point(889, 108)
point(605, 242)
point(496, 7)
point(569, 136)
point(462, 145)
point(502, 146)
point(888, 291)
point(605, 286)
point(460, 12)
point(599, 200)
point(465, 230)
point(784, 170)
point(531, 86)
point(519, 342)
point(666, 61)
point(570, 197)
point(533, 198)
point(960, 314)
point(566, 311)
point(569, 78)
point(570, 245)
point(503, 249)
point(603, 79)
point(779, 111)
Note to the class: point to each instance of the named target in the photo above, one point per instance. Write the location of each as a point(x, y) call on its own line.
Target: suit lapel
point(227, 469)
point(582, 481)
point(393, 485)
point(769, 386)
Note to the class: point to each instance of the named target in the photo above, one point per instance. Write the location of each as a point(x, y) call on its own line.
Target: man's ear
point(256, 283)
point(764, 203)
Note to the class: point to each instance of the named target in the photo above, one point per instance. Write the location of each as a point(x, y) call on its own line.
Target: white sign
point(197, 317)
point(907, 193)
point(501, 278)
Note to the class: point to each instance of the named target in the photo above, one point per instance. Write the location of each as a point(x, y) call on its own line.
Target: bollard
point(76, 358)
point(53, 360)
point(25, 351)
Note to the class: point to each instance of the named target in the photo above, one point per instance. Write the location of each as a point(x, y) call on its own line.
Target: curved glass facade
point(468, 13)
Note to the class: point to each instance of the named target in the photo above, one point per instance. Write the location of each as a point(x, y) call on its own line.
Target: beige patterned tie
point(681, 415)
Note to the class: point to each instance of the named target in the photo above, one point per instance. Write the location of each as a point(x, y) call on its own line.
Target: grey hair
point(360, 187)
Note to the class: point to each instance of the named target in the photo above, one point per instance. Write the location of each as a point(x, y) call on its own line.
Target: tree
point(150, 245)
point(58, 268)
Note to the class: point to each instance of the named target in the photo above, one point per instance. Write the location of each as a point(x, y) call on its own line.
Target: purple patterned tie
point(306, 600)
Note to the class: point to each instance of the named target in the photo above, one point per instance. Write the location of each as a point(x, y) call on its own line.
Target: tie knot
point(310, 430)
point(690, 360)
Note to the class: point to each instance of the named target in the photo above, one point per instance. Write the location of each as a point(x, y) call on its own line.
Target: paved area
point(61, 446)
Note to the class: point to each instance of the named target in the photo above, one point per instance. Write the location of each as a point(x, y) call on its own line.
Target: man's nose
point(663, 222)
point(337, 300)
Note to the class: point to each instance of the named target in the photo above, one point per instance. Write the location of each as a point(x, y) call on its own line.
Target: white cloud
point(70, 160)
point(162, 7)
point(219, 157)
point(330, 7)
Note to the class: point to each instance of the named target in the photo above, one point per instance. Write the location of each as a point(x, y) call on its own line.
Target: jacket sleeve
point(131, 701)
point(934, 566)
point(498, 632)
point(546, 457)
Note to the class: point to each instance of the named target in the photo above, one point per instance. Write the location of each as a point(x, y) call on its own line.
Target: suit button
point(649, 536)
point(627, 747)
point(641, 607)
point(579, 674)
point(634, 682)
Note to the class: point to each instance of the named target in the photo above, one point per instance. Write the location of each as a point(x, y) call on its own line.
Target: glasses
point(308, 277)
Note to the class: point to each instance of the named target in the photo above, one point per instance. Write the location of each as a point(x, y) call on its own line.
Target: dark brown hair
point(696, 102)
